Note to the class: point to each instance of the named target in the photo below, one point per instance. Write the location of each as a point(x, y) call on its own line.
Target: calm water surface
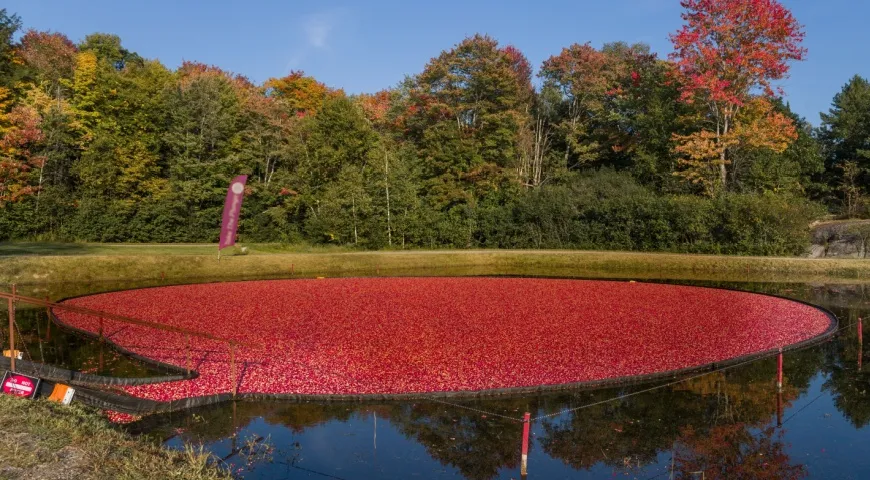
point(722, 425)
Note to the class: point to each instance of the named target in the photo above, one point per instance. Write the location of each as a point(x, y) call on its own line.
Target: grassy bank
point(41, 263)
point(47, 440)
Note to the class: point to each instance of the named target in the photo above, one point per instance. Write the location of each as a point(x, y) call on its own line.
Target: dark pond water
point(722, 425)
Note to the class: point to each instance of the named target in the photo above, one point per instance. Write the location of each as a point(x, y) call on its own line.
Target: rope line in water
point(803, 408)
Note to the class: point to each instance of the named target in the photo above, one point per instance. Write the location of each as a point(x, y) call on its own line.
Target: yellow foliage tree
point(705, 154)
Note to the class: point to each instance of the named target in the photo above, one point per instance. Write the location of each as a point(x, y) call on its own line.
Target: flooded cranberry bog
point(375, 397)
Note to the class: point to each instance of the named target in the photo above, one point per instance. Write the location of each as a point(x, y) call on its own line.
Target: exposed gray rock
point(841, 239)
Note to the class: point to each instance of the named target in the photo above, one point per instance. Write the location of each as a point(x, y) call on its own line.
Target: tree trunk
point(353, 210)
point(387, 188)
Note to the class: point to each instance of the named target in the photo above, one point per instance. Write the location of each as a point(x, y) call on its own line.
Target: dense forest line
point(615, 148)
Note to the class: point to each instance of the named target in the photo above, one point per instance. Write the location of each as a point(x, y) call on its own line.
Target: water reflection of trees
point(734, 451)
point(738, 404)
point(849, 386)
point(694, 420)
point(476, 444)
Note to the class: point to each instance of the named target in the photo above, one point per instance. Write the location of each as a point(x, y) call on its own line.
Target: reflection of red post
point(860, 343)
point(778, 409)
point(524, 465)
point(233, 369)
point(779, 371)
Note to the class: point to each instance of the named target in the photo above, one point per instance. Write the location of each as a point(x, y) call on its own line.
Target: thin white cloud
point(317, 28)
point(317, 31)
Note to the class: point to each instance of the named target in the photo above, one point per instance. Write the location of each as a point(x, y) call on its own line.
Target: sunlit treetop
point(728, 48)
point(302, 94)
point(52, 55)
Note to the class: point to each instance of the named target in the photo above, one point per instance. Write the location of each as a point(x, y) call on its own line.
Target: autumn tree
point(582, 75)
point(771, 169)
point(19, 132)
point(52, 56)
point(108, 48)
point(641, 116)
point(468, 106)
point(301, 94)
point(725, 53)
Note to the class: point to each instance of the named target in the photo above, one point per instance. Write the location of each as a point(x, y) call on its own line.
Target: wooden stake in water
point(524, 463)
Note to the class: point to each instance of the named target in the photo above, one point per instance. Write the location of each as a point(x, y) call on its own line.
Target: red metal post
point(779, 371)
point(524, 464)
point(12, 329)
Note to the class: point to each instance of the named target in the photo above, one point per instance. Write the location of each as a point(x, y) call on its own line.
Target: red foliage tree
point(727, 51)
point(19, 131)
point(51, 55)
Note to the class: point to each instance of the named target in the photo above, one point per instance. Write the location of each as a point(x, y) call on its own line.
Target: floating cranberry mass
point(359, 336)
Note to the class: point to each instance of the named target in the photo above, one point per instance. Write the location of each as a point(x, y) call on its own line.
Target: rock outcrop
point(841, 239)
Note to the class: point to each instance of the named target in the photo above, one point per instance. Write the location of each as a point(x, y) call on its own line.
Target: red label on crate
point(19, 385)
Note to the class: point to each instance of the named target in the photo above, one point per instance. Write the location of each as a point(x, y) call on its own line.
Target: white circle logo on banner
point(238, 188)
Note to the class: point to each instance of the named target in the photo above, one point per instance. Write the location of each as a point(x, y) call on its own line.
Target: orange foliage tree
point(301, 94)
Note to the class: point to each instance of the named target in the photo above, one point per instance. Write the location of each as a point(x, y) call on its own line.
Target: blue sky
point(368, 46)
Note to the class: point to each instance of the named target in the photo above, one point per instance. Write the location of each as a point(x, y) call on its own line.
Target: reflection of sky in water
point(824, 440)
point(337, 449)
point(825, 427)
